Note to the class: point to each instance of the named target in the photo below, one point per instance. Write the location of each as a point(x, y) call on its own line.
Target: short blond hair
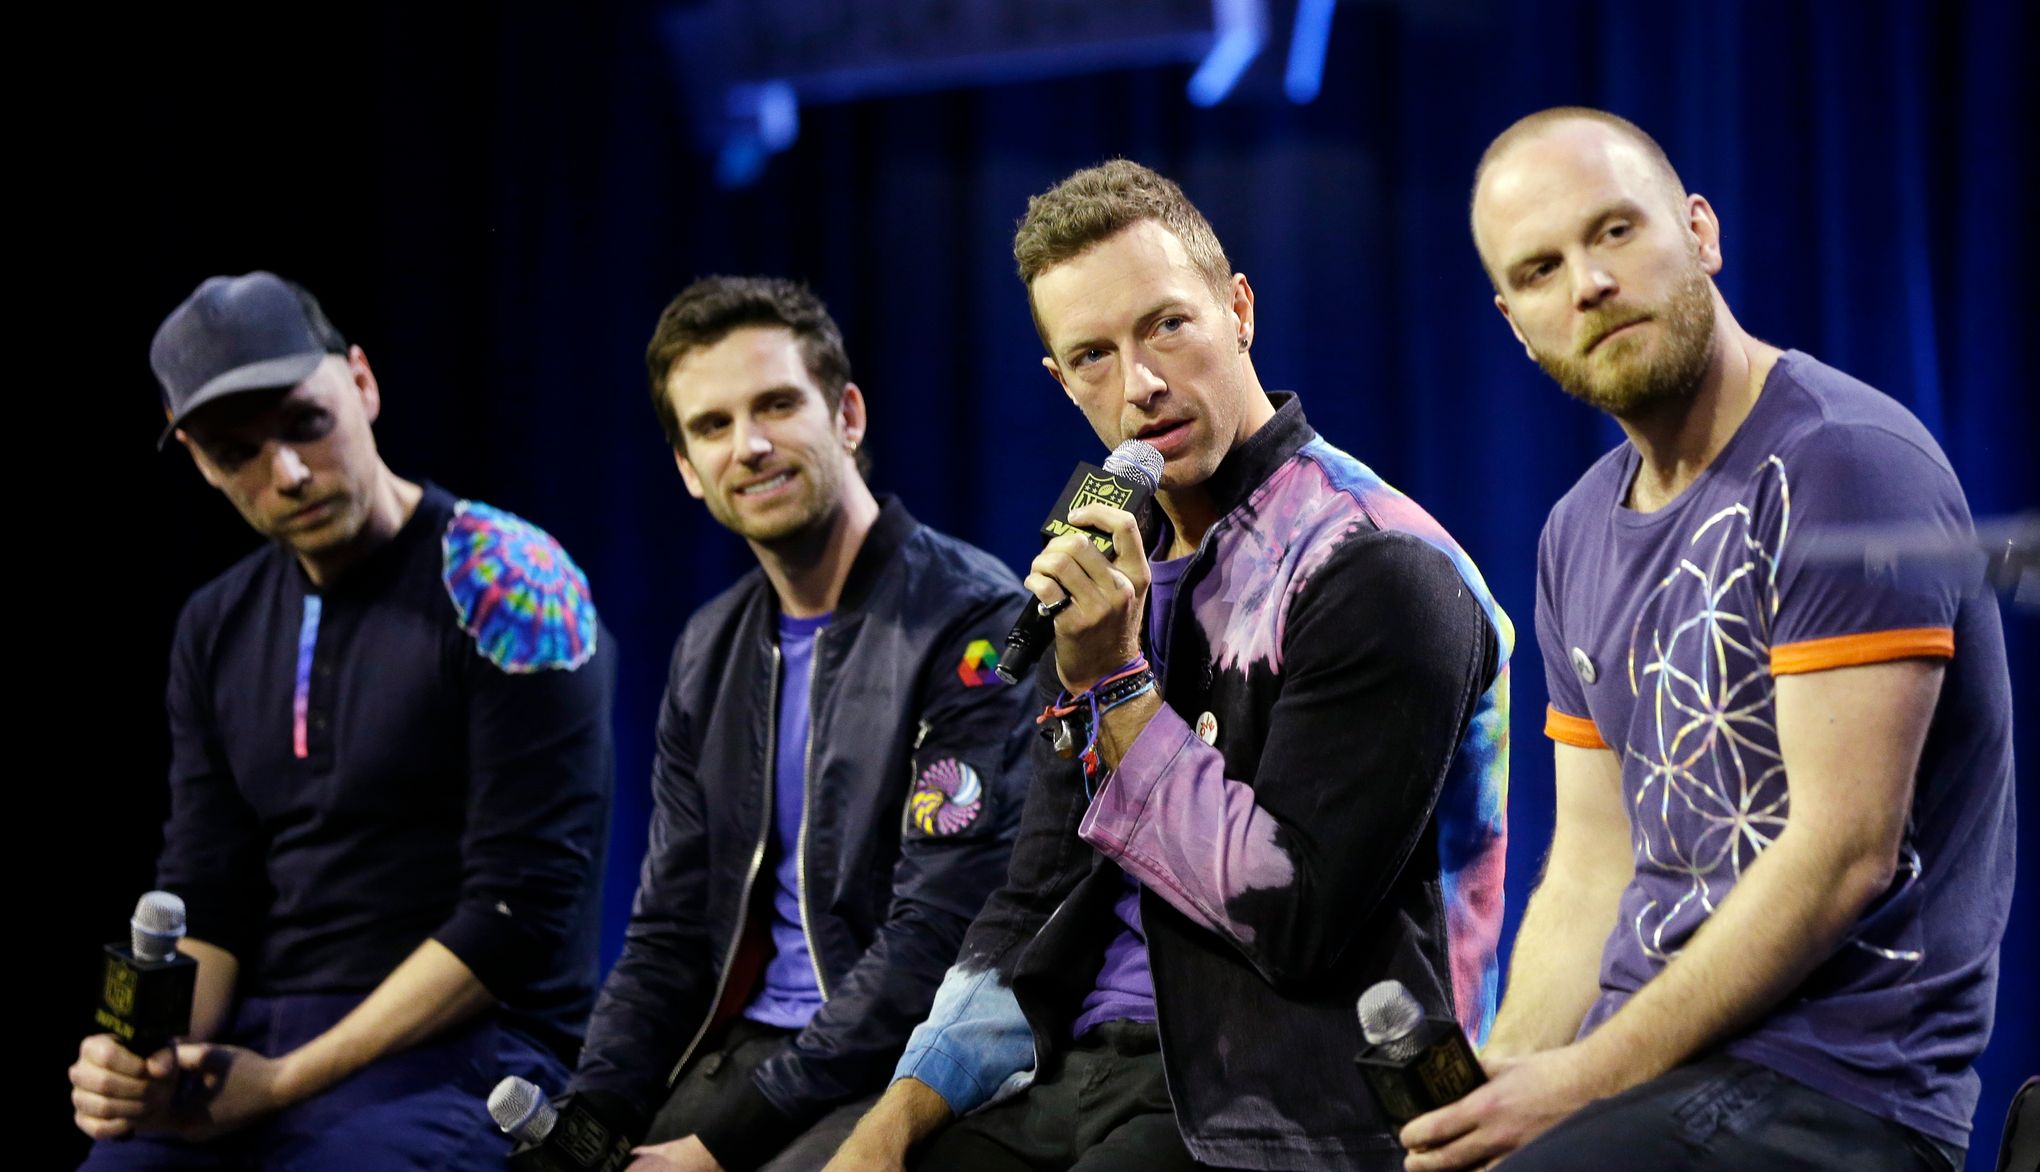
point(1096, 204)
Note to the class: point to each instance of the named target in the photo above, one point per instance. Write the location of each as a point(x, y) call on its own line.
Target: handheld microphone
point(1128, 481)
point(574, 1136)
point(1413, 1064)
point(145, 992)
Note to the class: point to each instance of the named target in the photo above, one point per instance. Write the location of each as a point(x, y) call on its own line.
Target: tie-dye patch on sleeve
point(947, 798)
point(516, 591)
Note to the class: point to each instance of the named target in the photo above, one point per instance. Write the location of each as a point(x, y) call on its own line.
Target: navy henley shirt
point(420, 749)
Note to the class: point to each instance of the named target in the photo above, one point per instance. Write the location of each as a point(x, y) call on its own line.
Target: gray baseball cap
point(255, 332)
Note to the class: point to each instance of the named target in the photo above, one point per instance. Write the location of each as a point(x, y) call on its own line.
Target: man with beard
point(834, 714)
point(1767, 931)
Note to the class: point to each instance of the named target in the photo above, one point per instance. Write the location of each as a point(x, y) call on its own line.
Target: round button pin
point(1207, 729)
point(1583, 666)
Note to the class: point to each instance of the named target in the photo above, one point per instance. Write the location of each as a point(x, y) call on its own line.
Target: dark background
point(496, 201)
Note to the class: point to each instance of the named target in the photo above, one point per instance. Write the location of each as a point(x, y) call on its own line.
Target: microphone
point(572, 1137)
point(521, 1109)
point(1413, 1064)
point(1128, 481)
point(145, 992)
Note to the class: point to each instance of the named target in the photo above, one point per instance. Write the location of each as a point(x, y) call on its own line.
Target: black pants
point(1106, 1109)
point(714, 1077)
point(1725, 1113)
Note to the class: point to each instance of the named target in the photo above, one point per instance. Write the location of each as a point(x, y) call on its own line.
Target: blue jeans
point(424, 1109)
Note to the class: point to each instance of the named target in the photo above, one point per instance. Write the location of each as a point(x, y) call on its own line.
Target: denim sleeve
point(974, 1041)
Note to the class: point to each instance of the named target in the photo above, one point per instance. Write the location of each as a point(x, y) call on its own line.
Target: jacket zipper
point(807, 803)
point(744, 899)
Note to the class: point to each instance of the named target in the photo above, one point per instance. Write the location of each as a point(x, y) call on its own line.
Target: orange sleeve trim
point(1869, 647)
point(1566, 729)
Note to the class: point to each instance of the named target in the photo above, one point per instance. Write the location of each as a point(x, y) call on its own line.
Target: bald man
point(1767, 931)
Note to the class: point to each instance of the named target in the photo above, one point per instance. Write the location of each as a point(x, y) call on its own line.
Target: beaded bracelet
point(1123, 688)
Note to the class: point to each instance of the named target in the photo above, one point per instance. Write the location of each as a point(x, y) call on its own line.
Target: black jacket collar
point(881, 548)
point(882, 544)
point(1248, 466)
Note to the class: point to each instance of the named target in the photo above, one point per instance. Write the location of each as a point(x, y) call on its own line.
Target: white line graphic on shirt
point(1714, 755)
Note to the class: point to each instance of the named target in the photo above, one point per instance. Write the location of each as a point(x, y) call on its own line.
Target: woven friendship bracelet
point(1124, 683)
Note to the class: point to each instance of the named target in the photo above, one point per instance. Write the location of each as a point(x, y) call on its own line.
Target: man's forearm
point(1554, 971)
point(1124, 724)
point(431, 991)
point(212, 998)
point(909, 1112)
point(1792, 907)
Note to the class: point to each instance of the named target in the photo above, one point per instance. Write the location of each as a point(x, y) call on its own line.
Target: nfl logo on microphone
point(1100, 490)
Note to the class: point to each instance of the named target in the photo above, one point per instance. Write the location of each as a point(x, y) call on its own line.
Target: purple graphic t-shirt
point(1662, 634)
point(1126, 990)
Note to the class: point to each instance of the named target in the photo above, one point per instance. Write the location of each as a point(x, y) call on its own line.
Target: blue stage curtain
point(497, 203)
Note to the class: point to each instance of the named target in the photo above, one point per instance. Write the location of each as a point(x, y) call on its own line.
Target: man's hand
point(1522, 1099)
point(196, 1089)
point(115, 1092)
point(680, 1155)
point(1100, 628)
point(225, 1088)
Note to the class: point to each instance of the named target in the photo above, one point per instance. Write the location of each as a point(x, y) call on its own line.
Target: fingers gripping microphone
point(145, 993)
point(1128, 480)
point(1413, 1064)
point(574, 1136)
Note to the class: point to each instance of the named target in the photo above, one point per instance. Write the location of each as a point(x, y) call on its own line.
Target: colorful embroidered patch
point(947, 798)
point(979, 666)
point(516, 591)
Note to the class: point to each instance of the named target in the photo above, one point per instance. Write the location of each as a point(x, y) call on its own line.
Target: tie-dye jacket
point(1341, 824)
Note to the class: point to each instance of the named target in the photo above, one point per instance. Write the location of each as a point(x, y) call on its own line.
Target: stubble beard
point(1614, 379)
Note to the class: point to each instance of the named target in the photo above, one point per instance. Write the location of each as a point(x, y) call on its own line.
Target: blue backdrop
point(497, 203)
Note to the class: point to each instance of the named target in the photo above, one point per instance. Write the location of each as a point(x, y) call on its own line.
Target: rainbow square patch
point(980, 664)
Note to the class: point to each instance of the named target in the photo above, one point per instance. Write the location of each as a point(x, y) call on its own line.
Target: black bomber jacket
point(917, 767)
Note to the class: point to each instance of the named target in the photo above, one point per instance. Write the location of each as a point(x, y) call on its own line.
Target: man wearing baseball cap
point(390, 779)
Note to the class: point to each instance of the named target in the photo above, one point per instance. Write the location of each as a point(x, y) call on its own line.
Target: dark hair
point(712, 308)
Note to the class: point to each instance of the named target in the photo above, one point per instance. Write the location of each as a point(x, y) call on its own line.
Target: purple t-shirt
point(1662, 634)
point(790, 996)
point(1125, 990)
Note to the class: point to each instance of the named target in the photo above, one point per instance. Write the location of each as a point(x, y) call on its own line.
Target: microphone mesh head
point(1137, 459)
point(1388, 1013)
point(157, 925)
point(521, 1110)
